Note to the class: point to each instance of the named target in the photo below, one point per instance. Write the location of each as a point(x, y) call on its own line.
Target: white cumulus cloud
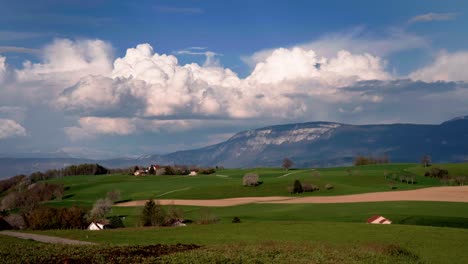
point(446, 67)
point(151, 85)
point(10, 128)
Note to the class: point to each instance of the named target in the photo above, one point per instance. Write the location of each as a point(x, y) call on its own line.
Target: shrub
point(206, 217)
point(250, 179)
point(297, 187)
point(328, 186)
point(307, 187)
point(438, 172)
point(236, 220)
point(116, 222)
point(173, 215)
point(206, 171)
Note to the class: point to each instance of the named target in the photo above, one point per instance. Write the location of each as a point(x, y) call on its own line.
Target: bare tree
point(426, 161)
point(287, 163)
point(114, 195)
point(100, 209)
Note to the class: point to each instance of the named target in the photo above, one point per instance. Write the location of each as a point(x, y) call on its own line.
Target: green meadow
point(422, 232)
point(85, 190)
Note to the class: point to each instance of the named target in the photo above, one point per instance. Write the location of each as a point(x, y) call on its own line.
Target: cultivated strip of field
point(440, 194)
point(214, 202)
point(45, 239)
point(436, 194)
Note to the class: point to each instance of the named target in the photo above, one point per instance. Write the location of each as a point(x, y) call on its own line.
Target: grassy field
point(85, 190)
point(423, 213)
point(423, 232)
point(430, 244)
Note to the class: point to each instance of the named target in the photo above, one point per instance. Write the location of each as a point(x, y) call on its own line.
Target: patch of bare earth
point(441, 194)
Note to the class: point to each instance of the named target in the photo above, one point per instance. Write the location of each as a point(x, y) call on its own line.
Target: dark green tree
point(297, 187)
point(153, 214)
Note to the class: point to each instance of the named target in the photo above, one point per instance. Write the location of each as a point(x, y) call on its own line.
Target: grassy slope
point(84, 190)
point(14, 250)
point(432, 244)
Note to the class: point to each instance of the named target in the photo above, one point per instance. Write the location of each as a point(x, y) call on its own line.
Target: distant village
point(173, 170)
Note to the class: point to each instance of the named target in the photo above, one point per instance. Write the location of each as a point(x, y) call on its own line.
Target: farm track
point(45, 239)
point(439, 194)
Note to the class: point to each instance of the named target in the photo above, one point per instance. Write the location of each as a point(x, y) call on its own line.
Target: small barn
point(97, 226)
point(378, 219)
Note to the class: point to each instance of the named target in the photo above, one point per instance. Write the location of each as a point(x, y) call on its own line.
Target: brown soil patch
point(441, 194)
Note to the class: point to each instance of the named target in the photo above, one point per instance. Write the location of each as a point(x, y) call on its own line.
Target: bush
point(173, 215)
point(438, 172)
point(250, 179)
point(206, 217)
point(307, 187)
point(236, 220)
point(328, 186)
point(116, 222)
point(297, 187)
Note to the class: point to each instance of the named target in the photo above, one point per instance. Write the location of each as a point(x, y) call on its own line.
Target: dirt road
point(45, 239)
point(442, 194)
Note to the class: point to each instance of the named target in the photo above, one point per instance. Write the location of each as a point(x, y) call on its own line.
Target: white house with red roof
point(378, 219)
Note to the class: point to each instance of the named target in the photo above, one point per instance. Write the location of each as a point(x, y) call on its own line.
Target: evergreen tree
point(297, 187)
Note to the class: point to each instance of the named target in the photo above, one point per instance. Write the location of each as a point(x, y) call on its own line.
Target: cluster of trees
point(73, 170)
point(29, 197)
point(154, 214)
point(299, 187)
point(11, 182)
point(436, 172)
point(445, 177)
point(44, 217)
point(363, 160)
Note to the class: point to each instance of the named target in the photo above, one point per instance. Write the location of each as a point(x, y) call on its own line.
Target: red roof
point(370, 220)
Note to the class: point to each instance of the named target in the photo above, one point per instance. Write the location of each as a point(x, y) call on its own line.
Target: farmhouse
point(97, 226)
point(378, 219)
point(139, 172)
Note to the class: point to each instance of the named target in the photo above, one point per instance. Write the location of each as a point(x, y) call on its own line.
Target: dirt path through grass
point(440, 194)
point(45, 239)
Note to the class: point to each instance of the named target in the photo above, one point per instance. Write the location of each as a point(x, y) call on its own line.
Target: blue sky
point(65, 72)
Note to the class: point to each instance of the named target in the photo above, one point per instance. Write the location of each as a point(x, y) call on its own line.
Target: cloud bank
point(147, 92)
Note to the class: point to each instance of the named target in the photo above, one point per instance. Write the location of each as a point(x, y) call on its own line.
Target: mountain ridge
point(308, 144)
